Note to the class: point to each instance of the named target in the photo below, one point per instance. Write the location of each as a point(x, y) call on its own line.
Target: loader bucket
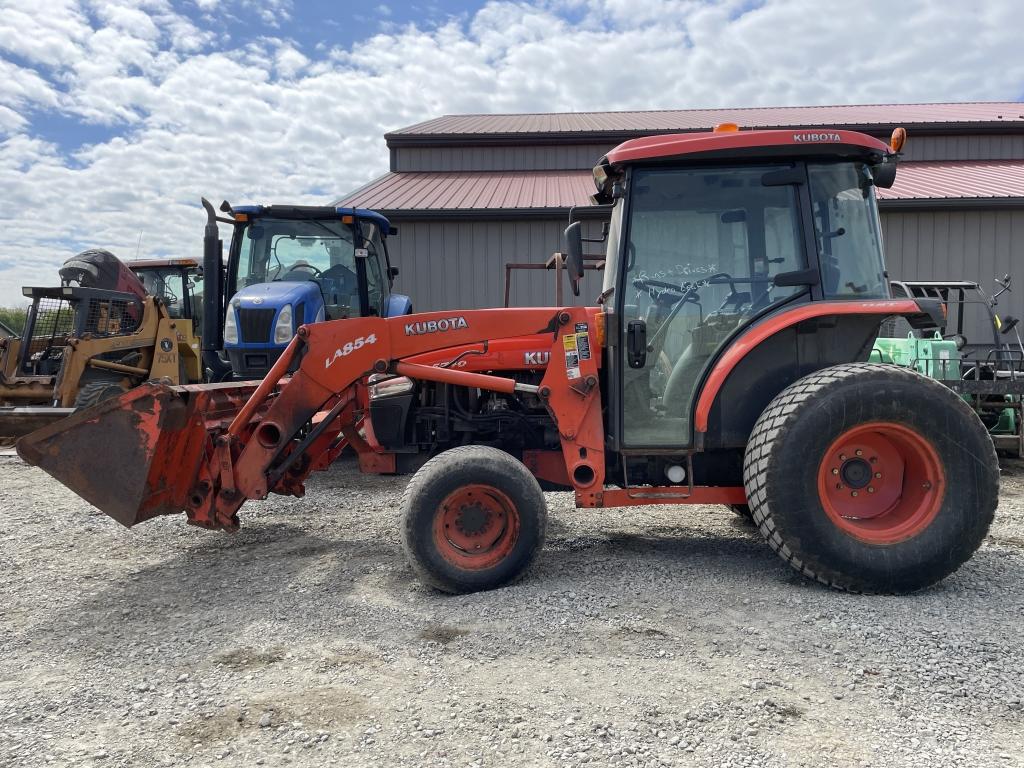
point(133, 457)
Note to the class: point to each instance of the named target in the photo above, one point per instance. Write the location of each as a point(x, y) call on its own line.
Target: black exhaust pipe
point(213, 297)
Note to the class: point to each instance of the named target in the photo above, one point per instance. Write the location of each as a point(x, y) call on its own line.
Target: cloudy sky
point(116, 116)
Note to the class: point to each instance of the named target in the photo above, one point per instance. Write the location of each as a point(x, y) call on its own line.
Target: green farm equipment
point(988, 374)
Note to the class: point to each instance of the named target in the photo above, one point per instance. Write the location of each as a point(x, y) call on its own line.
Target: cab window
point(847, 231)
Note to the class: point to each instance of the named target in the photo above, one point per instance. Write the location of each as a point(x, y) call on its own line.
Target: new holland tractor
point(289, 265)
point(725, 363)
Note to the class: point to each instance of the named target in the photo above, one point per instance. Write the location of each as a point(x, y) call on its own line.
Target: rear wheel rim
point(881, 482)
point(476, 527)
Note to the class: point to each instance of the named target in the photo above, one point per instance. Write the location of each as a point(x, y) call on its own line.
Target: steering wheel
point(303, 266)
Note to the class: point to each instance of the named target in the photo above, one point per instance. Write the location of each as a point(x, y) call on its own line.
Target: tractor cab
point(177, 282)
point(713, 233)
point(292, 265)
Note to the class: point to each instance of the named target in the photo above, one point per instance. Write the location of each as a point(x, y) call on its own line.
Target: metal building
point(471, 193)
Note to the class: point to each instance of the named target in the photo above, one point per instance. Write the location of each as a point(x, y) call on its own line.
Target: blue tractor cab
point(289, 265)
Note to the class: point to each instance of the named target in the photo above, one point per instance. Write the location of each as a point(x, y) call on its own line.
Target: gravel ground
point(657, 636)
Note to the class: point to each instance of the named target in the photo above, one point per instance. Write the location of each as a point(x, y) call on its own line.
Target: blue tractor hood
point(276, 295)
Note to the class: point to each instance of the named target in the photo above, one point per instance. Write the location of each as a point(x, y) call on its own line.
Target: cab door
point(701, 249)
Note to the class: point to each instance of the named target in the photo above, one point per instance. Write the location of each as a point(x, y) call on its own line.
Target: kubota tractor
point(725, 364)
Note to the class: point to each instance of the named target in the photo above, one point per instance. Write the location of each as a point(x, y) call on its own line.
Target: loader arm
point(205, 449)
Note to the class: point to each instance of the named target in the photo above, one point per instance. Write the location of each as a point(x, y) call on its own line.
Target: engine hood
point(275, 295)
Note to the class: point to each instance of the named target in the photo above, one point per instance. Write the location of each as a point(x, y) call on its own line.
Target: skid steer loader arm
point(205, 449)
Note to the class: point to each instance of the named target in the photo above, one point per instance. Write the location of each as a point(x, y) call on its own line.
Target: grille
point(254, 325)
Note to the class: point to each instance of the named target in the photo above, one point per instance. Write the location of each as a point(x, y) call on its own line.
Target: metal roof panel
point(996, 112)
point(510, 190)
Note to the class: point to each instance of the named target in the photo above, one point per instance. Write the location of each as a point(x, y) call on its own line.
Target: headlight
point(385, 385)
point(284, 330)
point(230, 327)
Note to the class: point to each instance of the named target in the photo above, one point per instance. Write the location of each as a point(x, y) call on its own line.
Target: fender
point(752, 337)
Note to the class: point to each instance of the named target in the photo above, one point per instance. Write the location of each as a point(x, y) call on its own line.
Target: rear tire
point(871, 478)
point(474, 519)
point(96, 392)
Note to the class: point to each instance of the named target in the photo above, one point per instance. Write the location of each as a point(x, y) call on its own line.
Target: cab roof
point(157, 263)
point(726, 144)
point(314, 212)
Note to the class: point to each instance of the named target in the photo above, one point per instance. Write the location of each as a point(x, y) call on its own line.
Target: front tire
point(96, 392)
point(871, 478)
point(474, 519)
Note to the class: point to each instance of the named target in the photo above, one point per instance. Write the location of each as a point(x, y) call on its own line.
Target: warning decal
point(583, 345)
point(572, 356)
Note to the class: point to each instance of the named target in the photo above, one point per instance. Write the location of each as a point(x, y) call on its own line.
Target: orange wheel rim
point(881, 482)
point(476, 527)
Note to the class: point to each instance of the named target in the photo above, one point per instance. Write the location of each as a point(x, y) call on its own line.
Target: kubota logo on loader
point(433, 326)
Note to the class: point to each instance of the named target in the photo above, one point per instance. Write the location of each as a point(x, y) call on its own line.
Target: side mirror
point(574, 255)
point(884, 174)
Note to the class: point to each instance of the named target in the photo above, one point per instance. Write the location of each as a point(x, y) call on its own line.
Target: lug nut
point(839, 486)
point(873, 459)
point(859, 452)
point(926, 486)
point(854, 494)
point(835, 471)
point(878, 474)
point(842, 457)
point(870, 489)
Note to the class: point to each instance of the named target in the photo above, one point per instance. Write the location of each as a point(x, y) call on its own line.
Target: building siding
point(461, 264)
point(585, 156)
point(959, 245)
point(976, 147)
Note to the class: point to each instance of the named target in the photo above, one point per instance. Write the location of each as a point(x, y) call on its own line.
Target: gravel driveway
point(645, 636)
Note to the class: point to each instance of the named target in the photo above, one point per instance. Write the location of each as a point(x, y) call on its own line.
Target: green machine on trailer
point(988, 373)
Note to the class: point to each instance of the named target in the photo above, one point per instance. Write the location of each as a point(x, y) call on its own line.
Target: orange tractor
point(744, 287)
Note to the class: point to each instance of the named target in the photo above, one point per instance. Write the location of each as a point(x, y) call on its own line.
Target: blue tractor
point(289, 265)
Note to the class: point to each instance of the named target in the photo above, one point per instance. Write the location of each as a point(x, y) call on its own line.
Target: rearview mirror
point(574, 256)
point(796, 277)
point(884, 174)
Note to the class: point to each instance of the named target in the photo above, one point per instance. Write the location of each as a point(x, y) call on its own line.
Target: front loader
point(725, 364)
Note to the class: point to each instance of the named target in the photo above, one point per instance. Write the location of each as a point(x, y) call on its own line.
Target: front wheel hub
point(476, 526)
point(881, 482)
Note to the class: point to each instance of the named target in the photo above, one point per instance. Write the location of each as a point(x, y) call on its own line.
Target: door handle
point(636, 343)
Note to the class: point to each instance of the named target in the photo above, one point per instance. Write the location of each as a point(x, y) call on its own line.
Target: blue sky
point(117, 115)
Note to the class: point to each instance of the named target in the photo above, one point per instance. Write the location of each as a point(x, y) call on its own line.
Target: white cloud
point(270, 121)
